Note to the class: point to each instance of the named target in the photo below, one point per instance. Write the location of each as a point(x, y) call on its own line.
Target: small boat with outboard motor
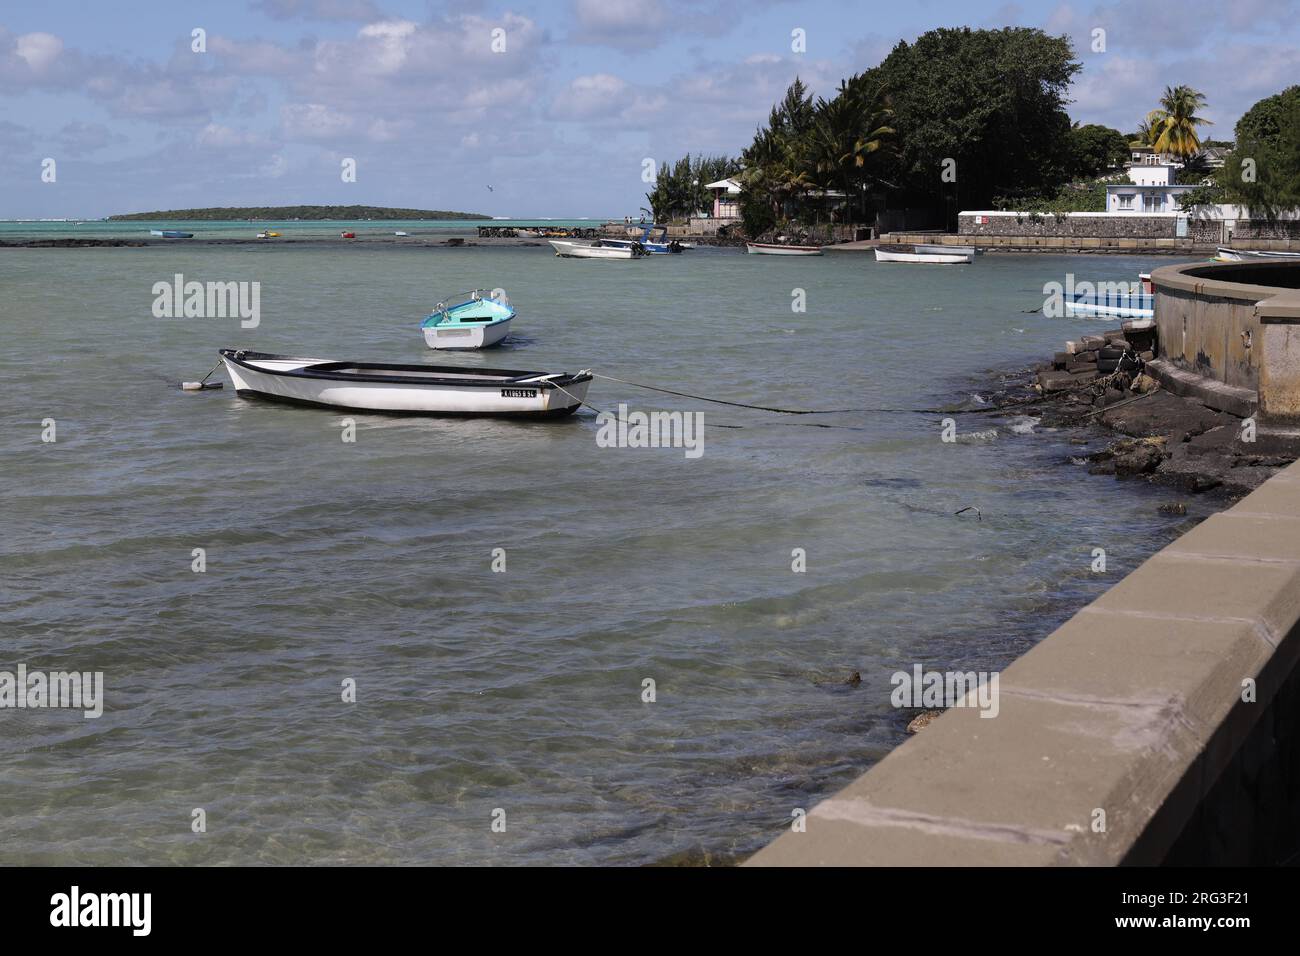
point(599, 249)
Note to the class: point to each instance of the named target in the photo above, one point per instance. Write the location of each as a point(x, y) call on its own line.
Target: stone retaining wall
point(1074, 225)
point(1156, 726)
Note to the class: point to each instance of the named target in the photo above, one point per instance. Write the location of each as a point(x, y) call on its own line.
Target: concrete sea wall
point(1160, 724)
point(1229, 334)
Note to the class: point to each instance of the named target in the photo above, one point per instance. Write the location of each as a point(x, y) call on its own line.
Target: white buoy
point(202, 384)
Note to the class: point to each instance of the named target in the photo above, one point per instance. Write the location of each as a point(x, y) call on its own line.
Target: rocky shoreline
point(1099, 391)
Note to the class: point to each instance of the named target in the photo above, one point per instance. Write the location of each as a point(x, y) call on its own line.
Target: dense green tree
point(1263, 171)
point(992, 101)
point(1264, 120)
point(1096, 149)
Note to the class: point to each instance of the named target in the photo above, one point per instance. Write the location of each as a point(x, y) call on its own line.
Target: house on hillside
point(1151, 189)
point(1214, 157)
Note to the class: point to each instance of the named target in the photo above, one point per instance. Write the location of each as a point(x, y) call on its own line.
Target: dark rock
point(1173, 508)
point(922, 720)
point(1137, 456)
point(1059, 381)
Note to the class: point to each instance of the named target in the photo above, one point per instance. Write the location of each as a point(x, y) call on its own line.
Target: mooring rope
point(822, 411)
point(601, 411)
point(722, 401)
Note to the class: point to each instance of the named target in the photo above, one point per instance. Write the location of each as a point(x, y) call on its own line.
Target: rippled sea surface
point(519, 691)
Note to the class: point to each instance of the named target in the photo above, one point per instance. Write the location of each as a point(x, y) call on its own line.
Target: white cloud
point(315, 121)
point(39, 50)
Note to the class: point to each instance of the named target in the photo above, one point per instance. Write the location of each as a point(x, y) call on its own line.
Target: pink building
point(726, 198)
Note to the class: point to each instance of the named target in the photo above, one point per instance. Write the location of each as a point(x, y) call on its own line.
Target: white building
point(1151, 189)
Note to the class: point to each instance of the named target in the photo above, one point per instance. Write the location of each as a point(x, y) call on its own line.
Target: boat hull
point(939, 249)
point(1138, 308)
point(932, 258)
point(457, 337)
point(1224, 254)
point(577, 250)
point(770, 249)
point(403, 389)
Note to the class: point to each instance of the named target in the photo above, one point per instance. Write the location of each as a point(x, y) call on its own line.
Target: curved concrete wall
point(1160, 724)
point(1211, 324)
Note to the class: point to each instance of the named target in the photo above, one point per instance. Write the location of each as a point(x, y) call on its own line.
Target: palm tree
point(846, 131)
point(1173, 125)
point(1144, 134)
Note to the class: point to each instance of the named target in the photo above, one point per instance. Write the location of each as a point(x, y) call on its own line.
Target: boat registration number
point(452, 333)
point(518, 393)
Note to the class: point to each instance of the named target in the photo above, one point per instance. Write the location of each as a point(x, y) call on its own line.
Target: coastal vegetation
point(979, 114)
point(976, 119)
point(1263, 170)
point(679, 187)
point(959, 117)
point(216, 213)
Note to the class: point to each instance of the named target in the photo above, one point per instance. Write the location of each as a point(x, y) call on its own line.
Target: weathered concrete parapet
point(1279, 372)
point(1212, 341)
point(1123, 737)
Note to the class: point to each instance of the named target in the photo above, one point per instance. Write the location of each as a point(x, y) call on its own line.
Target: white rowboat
point(1225, 254)
point(777, 249)
point(405, 389)
point(904, 254)
point(941, 250)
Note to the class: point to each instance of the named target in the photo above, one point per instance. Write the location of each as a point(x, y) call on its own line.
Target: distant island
point(296, 212)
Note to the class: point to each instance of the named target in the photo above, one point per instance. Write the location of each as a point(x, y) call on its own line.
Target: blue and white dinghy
point(470, 321)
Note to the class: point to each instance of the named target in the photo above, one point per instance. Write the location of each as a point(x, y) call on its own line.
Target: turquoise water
point(248, 229)
point(519, 691)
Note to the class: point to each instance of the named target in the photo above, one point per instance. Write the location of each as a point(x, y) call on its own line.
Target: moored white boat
point(1225, 254)
point(909, 254)
point(578, 249)
point(1137, 305)
point(661, 247)
point(781, 249)
point(471, 321)
point(940, 249)
point(407, 389)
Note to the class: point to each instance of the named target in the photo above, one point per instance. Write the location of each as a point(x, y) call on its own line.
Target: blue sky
point(558, 124)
